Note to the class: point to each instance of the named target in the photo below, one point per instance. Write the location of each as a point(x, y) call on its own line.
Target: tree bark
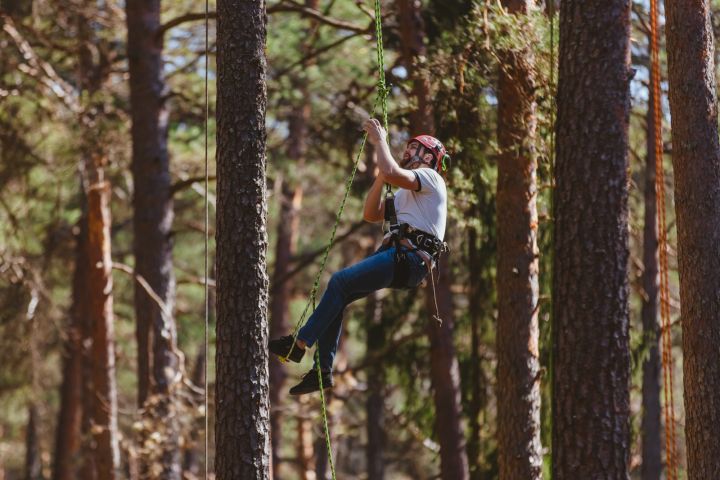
point(192, 458)
point(445, 378)
point(650, 428)
point(590, 307)
point(444, 367)
point(33, 462)
point(696, 164)
point(101, 394)
point(518, 368)
point(158, 362)
point(412, 47)
point(304, 445)
point(242, 405)
point(285, 249)
point(68, 440)
point(375, 403)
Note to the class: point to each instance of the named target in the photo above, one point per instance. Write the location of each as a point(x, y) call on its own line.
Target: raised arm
point(391, 172)
point(374, 210)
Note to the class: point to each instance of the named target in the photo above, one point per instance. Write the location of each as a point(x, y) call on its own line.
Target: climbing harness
point(666, 333)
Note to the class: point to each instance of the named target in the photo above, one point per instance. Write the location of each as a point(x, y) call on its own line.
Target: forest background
point(66, 98)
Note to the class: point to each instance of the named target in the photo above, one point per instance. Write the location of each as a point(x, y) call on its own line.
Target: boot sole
point(297, 394)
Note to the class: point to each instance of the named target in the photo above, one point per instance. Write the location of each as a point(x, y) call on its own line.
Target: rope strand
point(666, 333)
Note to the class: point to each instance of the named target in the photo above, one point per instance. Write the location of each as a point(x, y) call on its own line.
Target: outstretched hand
point(376, 132)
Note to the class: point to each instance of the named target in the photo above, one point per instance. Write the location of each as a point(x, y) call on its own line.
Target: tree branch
point(146, 286)
point(283, 6)
point(183, 184)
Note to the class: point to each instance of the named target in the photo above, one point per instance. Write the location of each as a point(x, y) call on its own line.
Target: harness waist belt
point(422, 240)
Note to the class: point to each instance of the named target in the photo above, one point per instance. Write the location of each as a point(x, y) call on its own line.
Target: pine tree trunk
point(101, 393)
point(445, 378)
point(192, 457)
point(696, 163)
point(477, 376)
point(444, 369)
point(375, 403)
point(158, 362)
point(304, 444)
point(591, 437)
point(650, 428)
point(33, 462)
point(242, 385)
point(68, 441)
point(103, 412)
point(518, 369)
point(287, 233)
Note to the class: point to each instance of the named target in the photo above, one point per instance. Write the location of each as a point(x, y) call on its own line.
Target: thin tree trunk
point(101, 411)
point(192, 462)
point(518, 368)
point(287, 233)
point(242, 385)
point(304, 445)
point(33, 462)
point(650, 428)
point(591, 357)
point(445, 377)
point(444, 367)
point(68, 439)
point(477, 380)
point(158, 361)
point(696, 164)
point(375, 403)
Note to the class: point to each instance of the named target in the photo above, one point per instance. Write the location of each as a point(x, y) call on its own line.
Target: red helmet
point(436, 148)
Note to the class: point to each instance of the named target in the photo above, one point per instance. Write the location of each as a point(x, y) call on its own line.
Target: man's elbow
point(372, 217)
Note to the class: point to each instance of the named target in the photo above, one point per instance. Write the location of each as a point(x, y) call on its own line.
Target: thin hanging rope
point(666, 333)
point(207, 229)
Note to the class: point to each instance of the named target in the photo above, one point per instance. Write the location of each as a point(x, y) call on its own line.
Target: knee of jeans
point(337, 281)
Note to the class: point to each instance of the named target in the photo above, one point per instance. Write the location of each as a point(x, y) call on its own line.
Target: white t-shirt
point(425, 209)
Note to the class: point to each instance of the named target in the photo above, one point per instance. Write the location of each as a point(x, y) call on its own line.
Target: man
point(407, 254)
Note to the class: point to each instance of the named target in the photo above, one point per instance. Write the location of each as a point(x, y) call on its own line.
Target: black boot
point(281, 348)
point(309, 382)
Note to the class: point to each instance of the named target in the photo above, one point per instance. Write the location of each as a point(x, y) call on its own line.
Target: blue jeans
point(346, 286)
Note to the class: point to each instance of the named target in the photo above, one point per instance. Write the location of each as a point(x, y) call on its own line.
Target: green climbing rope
point(382, 100)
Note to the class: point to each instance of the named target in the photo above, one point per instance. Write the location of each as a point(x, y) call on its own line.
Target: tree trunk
point(287, 233)
point(591, 355)
point(68, 440)
point(33, 462)
point(477, 376)
point(412, 33)
point(304, 444)
point(444, 368)
point(375, 404)
point(696, 163)
point(191, 461)
point(518, 368)
point(101, 402)
point(650, 429)
point(103, 411)
point(158, 362)
point(445, 377)
point(242, 405)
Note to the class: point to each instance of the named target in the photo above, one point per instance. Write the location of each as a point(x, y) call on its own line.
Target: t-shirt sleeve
point(428, 179)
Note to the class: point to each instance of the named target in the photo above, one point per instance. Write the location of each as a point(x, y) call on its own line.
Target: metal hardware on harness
point(391, 221)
